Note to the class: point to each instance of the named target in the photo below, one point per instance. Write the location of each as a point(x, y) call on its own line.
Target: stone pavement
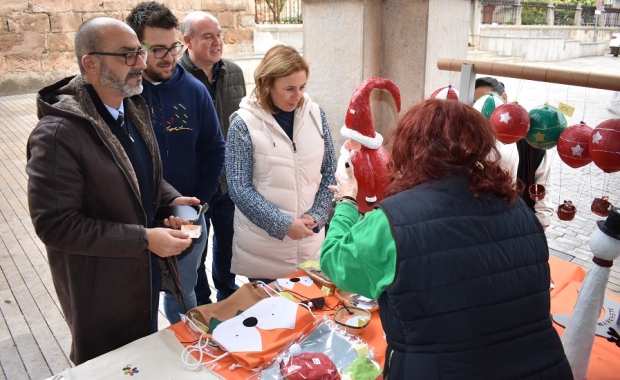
point(34, 338)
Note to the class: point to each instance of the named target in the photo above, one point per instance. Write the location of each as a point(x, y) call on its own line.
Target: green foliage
point(276, 11)
point(574, 2)
point(533, 16)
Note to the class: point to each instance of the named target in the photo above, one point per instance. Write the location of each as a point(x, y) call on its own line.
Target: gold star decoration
point(539, 136)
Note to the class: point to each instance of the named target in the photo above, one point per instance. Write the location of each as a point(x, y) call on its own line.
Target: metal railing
point(498, 12)
point(504, 12)
point(278, 11)
point(612, 16)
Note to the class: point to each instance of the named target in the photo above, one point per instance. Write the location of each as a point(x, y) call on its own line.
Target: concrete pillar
point(518, 8)
point(347, 41)
point(474, 23)
point(601, 19)
point(578, 11)
point(550, 13)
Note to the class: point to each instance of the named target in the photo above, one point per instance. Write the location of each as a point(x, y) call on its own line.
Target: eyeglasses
point(162, 52)
point(131, 57)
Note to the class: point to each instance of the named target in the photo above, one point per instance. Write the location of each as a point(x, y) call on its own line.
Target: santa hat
point(358, 122)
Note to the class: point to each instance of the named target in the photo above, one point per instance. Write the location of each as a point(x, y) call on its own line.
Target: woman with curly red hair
point(458, 262)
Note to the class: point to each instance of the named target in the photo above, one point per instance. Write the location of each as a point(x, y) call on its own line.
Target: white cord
point(199, 347)
point(267, 287)
point(307, 307)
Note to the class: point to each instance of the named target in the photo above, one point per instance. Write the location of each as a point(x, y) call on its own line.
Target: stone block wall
point(36, 36)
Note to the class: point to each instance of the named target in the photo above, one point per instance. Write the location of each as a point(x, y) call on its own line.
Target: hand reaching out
point(165, 242)
point(346, 187)
point(179, 201)
point(174, 221)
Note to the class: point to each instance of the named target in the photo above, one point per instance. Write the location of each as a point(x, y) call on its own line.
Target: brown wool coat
point(86, 208)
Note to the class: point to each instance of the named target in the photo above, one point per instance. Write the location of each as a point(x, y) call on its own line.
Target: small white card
point(192, 230)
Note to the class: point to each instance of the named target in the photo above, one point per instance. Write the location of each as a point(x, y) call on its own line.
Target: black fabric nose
point(250, 322)
point(295, 279)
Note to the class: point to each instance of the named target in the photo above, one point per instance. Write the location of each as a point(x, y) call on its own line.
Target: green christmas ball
point(486, 104)
point(546, 124)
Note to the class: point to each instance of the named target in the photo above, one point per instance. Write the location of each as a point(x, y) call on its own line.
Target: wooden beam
point(538, 73)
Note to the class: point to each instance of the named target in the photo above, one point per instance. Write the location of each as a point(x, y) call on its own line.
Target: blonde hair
point(279, 61)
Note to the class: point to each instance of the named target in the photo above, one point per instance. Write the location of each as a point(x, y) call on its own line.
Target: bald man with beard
point(94, 183)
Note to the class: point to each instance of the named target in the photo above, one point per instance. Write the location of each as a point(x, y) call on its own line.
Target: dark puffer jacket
point(86, 207)
point(470, 299)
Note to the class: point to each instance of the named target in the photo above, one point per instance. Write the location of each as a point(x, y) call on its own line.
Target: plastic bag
point(327, 338)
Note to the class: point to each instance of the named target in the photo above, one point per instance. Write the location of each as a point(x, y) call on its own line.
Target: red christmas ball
point(605, 145)
point(511, 121)
point(573, 145)
point(445, 93)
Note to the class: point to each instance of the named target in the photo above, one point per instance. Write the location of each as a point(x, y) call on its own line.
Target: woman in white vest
point(279, 161)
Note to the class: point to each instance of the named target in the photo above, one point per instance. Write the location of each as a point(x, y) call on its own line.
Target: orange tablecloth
point(605, 357)
point(604, 362)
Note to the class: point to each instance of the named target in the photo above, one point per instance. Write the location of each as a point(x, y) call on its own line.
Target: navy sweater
point(188, 133)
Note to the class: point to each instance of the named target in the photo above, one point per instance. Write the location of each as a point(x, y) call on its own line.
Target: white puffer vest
point(287, 174)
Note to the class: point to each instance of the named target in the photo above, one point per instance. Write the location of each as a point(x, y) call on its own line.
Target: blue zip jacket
point(188, 133)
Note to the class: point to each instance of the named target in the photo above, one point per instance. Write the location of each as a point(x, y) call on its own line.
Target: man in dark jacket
point(224, 79)
point(94, 183)
point(186, 127)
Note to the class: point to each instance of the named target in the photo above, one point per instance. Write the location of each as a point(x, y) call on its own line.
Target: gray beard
point(108, 79)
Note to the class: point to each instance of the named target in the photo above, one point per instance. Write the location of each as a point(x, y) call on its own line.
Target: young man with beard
point(186, 127)
point(94, 183)
point(224, 79)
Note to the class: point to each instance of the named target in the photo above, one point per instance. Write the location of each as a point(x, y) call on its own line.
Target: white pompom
point(295, 350)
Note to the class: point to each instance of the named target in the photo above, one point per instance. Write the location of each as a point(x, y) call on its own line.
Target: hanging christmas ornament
point(537, 192)
point(445, 93)
point(601, 206)
point(486, 104)
point(546, 124)
point(605, 145)
point(573, 145)
point(566, 211)
point(511, 121)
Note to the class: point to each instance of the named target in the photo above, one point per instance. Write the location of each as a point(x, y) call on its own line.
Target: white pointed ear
point(274, 313)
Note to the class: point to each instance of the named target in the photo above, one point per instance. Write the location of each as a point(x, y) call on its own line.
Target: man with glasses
point(186, 127)
point(94, 183)
point(224, 79)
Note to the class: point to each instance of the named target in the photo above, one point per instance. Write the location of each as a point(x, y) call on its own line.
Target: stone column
point(347, 41)
point(518, 8)
point(474, 23)
point(550, 13)
point(601, 19)
point(578, 11)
